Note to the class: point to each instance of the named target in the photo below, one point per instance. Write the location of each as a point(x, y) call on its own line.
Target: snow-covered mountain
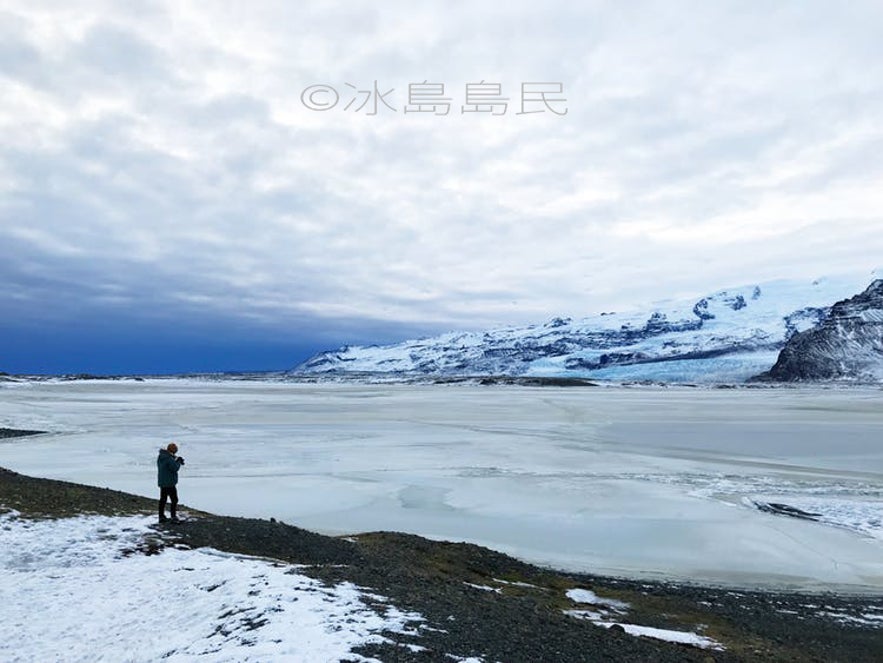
point(848, 345)
point(727, 336)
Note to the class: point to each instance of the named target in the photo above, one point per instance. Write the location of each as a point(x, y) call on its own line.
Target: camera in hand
point(180, 460)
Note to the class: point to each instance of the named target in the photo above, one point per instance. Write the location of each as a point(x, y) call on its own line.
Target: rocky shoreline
point(483, 604)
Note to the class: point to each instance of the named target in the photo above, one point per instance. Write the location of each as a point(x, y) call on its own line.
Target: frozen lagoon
point(638, 481)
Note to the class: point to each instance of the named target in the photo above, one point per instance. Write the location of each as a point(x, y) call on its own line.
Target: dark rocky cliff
point(847, 346)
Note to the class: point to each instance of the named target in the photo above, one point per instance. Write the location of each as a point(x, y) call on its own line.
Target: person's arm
point(171, 464)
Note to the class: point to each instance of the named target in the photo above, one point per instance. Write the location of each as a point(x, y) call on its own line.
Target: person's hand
point(180, 460)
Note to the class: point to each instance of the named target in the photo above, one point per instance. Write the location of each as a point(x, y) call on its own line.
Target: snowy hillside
point(727, 336)
point(848, 345)
point(84, 592)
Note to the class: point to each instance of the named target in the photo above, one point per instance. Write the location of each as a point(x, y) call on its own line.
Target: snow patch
point(588, 596)
point(515, 584)
point(867, 619)
point(603, 618)
point(680, 637)
point(72, 587)
point(591, 615)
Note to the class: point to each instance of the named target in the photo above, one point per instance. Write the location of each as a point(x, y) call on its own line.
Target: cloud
point(156, 158)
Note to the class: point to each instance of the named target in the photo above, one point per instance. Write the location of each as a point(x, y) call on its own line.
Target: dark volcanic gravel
point(523, 622)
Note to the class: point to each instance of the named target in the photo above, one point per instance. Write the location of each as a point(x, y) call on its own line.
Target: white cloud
point(163, 147)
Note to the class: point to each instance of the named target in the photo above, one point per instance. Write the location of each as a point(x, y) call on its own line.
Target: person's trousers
point(169, 493)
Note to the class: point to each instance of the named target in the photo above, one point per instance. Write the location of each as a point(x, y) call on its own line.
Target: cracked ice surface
point(638, 481)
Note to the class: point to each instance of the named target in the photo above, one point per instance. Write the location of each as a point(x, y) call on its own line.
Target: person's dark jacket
point(167, 466)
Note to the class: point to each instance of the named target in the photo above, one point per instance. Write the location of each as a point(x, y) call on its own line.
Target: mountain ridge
point(730, 335)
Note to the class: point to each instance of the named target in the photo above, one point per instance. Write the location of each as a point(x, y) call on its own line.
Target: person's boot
point(174, 518)
point(162, 515)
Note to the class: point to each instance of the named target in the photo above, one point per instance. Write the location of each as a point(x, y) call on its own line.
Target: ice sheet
point(638, 481)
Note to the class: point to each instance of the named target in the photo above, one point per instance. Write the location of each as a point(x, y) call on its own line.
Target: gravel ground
point(518, 614)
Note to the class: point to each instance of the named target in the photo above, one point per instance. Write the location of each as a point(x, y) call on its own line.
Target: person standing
point(167, 465)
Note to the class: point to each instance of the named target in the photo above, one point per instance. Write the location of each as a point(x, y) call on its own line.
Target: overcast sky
point(170, 201)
